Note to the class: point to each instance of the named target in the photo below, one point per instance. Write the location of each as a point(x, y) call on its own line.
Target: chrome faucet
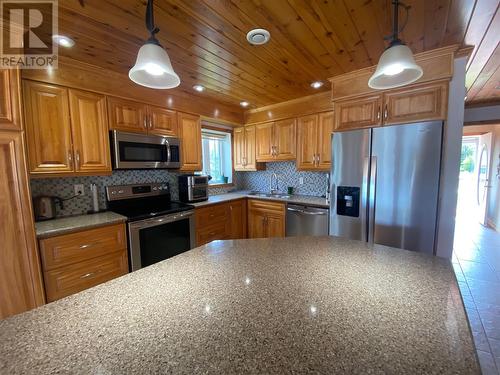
point(273, 188)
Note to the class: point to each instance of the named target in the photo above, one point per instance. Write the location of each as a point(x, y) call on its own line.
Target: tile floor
point(476, 260)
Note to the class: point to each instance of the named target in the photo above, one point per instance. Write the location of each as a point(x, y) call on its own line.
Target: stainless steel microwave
point(141, 151)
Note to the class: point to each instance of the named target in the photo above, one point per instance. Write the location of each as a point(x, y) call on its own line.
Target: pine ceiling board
point(490, 92)
point(436, 17)
point(414, 31)
point(336, 20)
point(213, 25)
point(488, 73)
point(458, 19)
point(361, 14)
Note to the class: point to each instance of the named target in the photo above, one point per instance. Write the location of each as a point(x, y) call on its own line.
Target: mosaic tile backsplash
point(63, 187)
point(314, 182)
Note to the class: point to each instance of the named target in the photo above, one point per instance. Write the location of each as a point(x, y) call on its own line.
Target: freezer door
point(349, 178)
point(406, 161)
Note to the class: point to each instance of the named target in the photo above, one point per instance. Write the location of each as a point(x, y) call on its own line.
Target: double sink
point(269, 195)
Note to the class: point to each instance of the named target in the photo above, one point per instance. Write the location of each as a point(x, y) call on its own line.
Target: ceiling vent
point(258, 36)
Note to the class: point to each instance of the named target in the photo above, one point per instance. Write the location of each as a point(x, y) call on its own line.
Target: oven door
point(154, 240)
point(140, 151)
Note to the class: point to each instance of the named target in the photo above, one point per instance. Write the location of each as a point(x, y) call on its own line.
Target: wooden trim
point(222, 130)
point(76, 74)
point(484, 103)
point(305, 105)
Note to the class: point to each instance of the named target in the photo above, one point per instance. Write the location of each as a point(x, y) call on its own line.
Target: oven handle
point(147, 223)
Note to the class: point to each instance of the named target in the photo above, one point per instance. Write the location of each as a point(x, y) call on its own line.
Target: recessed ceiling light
point(258, 36)
point(63, 40)
point(316, 84)
point(244, 103)
point(198, 88)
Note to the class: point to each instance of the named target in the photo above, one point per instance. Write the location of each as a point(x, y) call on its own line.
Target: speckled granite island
point(295, 305)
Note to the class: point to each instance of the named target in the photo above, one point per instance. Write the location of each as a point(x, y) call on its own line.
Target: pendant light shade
point(396, 67)
point(153, 67)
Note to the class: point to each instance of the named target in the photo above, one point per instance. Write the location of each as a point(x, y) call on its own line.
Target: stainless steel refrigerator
point(385, 185)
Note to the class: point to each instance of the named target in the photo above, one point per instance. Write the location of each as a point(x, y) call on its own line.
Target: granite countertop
point(293, 305)
point(69, 224)
point(298, 199)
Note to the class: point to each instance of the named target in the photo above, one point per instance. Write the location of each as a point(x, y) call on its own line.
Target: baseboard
point(492, 225)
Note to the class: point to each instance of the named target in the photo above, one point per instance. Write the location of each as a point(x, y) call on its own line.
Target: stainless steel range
point(158, 228)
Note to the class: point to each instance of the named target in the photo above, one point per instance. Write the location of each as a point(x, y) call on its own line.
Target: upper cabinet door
point(127, 115)
point(307, 135)
point(249, 151)
point(364, 112)
point(10, 100)
point(190, 133)
point(324, 148)
point(48, 128)
point(420, 103)
point(264, 144)
point(284, 139)
point(90, 132)
point(162, 121)
point(239, 149)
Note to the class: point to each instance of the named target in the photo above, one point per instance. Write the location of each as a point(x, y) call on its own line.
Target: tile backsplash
point(314, 182)
point(63, 187)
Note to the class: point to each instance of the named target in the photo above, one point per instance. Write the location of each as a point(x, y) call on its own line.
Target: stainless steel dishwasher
point(306, 221)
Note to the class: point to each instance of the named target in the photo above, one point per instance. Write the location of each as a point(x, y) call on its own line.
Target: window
point(216, 150)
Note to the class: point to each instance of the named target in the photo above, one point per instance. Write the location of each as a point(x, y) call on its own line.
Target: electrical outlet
point(301, 180)
point(79, 189)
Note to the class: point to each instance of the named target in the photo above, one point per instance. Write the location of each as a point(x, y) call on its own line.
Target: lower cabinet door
point(275, 226)
point(72, 279)
point(256, 224)
point(237, 219)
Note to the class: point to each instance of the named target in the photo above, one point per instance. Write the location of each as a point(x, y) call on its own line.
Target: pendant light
point(396, 66)
point(153, 67)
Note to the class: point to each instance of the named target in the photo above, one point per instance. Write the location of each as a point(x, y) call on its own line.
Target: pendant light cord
point(150, 24)
point(394, 39)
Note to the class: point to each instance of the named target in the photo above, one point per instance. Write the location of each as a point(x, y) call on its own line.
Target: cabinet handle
point(317, 159)
point(386, 112)
point(77, 158)
point(87, 275)
point(275, 151)
point(151, 122)
point(70, 159)
point(87, 245)
point(378, 113)
point(145, 122)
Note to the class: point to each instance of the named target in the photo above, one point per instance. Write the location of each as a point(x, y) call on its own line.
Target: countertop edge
point(78, 228)
point(236, 196)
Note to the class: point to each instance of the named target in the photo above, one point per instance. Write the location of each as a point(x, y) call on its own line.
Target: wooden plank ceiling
point(310, 40)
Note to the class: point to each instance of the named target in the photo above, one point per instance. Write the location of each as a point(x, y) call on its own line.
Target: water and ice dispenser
point(348, 201)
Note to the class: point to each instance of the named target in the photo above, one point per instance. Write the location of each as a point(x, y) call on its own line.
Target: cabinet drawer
point(266, 206)
point(72, 279)
point(208, 215)
point(80, 246)
point(217, 231)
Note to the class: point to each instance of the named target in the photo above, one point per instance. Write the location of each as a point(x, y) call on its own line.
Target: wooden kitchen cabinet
point(314, 141)
point(77, 261)
point(237, 219)
point(266, 219)
point(48, 128)
point(362, 112)
point(66, 130)
point(190, 134)
point(162, 121)
point(127, 115)
point(90, 131)
point(10, 100)
point(275, 141)
point(131, 116)
point(419, 103)
point(21, 288)
point(244, 149)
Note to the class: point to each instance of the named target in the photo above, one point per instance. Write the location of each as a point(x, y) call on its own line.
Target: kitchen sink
point(270, 195)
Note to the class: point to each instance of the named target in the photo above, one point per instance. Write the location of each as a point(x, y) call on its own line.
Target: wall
point(493, 205)
point(63, 187)
point(314, 182)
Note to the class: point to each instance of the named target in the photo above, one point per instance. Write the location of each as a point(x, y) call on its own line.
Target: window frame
point(228, 131)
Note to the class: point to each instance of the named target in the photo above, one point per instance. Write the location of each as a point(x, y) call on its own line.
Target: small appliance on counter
point(193, 188)
point(45, 207)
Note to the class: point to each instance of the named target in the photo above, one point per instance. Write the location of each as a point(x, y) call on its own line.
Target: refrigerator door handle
point(364, 199)
point(371, 199)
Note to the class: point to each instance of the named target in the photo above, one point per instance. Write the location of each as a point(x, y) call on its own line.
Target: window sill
point(220, 185)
